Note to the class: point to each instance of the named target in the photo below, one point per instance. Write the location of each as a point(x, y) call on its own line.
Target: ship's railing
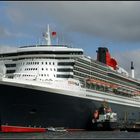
point(112, 94)
point(43, 46)
point(108, 87)
point(95, 74)
point(123, 76)
point(70, 84)
point(107, 84)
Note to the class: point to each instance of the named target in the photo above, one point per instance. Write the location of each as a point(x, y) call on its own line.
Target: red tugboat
point(104, 119)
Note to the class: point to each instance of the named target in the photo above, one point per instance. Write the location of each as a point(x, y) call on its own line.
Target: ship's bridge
point(49, 49)
point(45, 62)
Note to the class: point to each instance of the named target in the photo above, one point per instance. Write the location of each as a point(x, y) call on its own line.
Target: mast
point(132, 70)
point(46, 35)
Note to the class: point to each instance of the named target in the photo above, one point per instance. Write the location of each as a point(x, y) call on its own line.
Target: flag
point(53, 34)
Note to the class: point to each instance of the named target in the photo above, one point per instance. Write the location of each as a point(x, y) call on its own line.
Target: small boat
point(56, 129)
point(104, 119)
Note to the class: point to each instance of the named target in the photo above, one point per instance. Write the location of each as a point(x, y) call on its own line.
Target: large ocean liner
point(44, 86)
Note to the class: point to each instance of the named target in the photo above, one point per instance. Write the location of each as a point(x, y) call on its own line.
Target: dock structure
point(134, 127)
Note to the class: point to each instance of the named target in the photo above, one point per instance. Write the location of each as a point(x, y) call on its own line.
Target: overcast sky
point(82, 24)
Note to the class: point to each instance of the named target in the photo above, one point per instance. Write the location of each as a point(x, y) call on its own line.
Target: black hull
point(29, 107)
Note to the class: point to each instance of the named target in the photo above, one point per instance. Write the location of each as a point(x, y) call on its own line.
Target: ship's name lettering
point(73, 83)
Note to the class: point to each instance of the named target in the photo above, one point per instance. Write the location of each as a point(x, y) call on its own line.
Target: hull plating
point(28, 107)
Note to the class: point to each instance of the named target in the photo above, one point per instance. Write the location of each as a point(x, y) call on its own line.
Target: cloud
point(6, 48)
point(15, 15)
point(117, 20)
point(124, 60)
point(5, 33)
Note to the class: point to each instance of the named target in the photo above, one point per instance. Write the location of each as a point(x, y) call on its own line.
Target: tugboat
point(104, 119)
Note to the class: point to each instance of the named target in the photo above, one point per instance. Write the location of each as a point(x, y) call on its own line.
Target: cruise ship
point(43, 86)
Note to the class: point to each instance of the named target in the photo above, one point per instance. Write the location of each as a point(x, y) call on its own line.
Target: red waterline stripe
point(5, 128)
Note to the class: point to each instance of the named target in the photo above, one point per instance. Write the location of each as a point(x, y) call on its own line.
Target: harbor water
point(73, 135)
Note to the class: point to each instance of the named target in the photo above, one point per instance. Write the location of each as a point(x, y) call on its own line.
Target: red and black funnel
point(104, 56)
